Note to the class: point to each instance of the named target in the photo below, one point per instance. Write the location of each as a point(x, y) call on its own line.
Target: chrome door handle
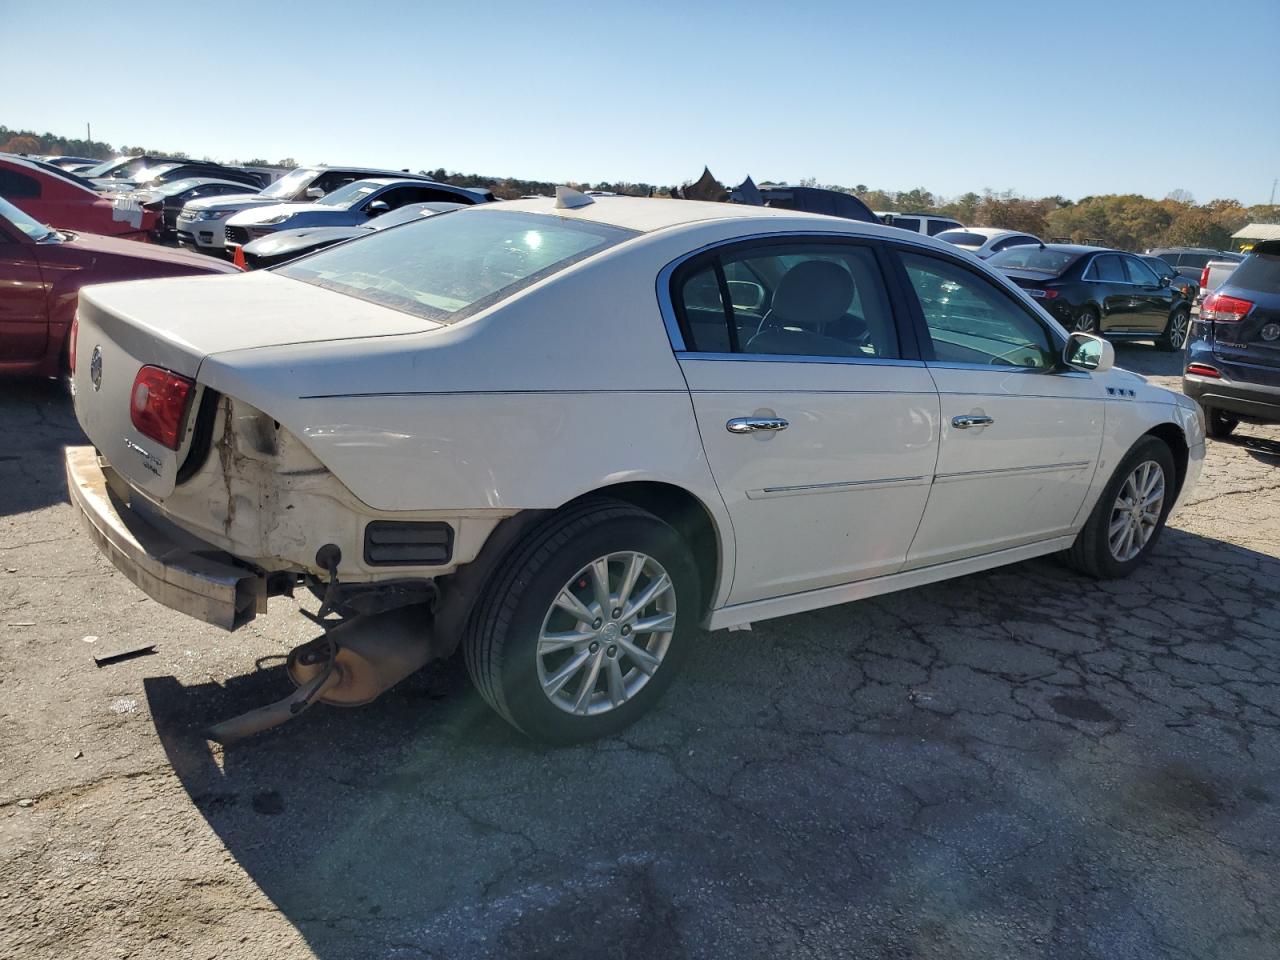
point(752, 424)
point(971, 420)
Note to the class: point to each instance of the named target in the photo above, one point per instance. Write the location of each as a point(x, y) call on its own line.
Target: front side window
point(971, 320)
point(29, 225)
point(791, 299)
point(446, 268)
point(15, 186)
point(353, 194)
point(290, 185)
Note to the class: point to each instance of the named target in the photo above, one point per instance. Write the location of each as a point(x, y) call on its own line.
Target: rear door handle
point(971, 420)
point(752, 424)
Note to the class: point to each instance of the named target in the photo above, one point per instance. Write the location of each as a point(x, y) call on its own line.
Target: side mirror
point(1084, 351)
point(1165, 281)
point(377, 208)
point(314, 193)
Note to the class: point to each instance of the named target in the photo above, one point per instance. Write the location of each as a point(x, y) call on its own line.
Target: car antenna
point(567, 198)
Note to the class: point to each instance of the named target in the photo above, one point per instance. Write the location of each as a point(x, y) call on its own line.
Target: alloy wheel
point(606, 633)
point(1178, 329)
point(1085, 322)
point(1135, 515)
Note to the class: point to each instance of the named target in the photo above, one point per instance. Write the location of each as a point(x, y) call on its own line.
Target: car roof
point(989, 232)
point(647, 214)
point(1079, 248)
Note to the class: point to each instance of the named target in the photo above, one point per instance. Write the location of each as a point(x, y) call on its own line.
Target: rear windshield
point(1031, 257)
point(452, 265)
point(962, 238)
point(1261, 272)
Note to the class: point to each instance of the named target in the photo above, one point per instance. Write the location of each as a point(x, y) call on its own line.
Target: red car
point(42, 271)
point(68, 204)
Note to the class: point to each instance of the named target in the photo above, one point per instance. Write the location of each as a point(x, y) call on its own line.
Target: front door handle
point(971, 420)
point(752, 424)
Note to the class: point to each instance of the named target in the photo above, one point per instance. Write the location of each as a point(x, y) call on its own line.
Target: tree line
point(1128, 221)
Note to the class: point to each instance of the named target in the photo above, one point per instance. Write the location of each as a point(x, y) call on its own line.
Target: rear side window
point(17, 186)
point(450, 266)
point(907, 223)
point(790, 299)
point(1139, 272)
point(971, 320)
point(937, 226)
point(1108, 269)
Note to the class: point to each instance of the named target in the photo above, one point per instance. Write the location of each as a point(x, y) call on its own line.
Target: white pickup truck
point(1213, 275)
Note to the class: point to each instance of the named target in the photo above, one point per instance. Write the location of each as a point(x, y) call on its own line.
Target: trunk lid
point(177, 323)
point(1255, 339)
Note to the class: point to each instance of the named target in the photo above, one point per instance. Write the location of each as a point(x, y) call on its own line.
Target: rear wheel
point(1175, 331)
point(1129, 517)
point(1219, 424)
point(586, 623)
point(1086, 321)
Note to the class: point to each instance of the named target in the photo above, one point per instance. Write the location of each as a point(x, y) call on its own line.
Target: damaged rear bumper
point(169, 565)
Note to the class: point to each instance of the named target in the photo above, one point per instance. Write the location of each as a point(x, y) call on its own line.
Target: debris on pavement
point(115, 655)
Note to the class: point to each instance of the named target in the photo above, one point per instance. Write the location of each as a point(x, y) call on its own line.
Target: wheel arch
point(1172, 437)
point(677, 506)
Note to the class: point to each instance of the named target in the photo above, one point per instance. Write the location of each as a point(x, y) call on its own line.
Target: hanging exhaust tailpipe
point(350, 665)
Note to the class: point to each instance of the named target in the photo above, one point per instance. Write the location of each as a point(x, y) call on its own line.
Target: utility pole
point(88, 133)
point(1273, 191)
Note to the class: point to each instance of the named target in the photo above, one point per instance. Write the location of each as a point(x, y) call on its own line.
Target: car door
point(24, 316)
point(1020, 434)
point(1113, 292)
point(818, 419)
point(1153, 300)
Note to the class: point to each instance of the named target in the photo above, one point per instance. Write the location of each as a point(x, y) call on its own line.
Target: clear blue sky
point(1071, 98)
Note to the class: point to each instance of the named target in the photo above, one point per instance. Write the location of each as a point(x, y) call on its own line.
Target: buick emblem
point(95, 368)
point(1271, 331)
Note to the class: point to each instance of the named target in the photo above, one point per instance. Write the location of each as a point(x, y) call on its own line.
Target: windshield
point(287, 187)
point(106, 167)
point(32, 227)
point(348, 196)
point(412, 211)
point(148, 174)
point(447, 267)
point(1032, 257)
point(962, 238)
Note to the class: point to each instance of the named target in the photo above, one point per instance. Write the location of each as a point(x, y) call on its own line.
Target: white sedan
point(983, 242)
point(571, 432)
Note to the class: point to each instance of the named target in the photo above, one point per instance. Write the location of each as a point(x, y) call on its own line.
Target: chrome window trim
point(1011, 368)
point(794, 358)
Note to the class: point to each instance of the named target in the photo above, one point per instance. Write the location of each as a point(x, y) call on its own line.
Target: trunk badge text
point(95, 368)
point(150, 462)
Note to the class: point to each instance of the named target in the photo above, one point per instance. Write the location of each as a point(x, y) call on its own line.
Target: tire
point(512, 667)
point(1219, 424)
point(1086, 321)
point(1175, 331)
point(1093, 553)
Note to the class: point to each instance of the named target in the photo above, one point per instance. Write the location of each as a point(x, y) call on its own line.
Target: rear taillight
point(1042, 294)
point(1224, 309)
point(158, 405)
point(72, 337)
point(1204, 277)
point(1203, 370)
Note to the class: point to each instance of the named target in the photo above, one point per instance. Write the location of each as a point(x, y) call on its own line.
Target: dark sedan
point(169, 198)
point(1096, 290)
point(1233, 356)
point(42, 271)
point(276, 248)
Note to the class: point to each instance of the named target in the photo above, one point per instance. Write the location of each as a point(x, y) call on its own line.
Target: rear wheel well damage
point(460, 591)
point(1172, 437)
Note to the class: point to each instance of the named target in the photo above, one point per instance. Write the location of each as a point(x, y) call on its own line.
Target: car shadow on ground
point(1145, 359)
point(992, 766)
point(36, 423)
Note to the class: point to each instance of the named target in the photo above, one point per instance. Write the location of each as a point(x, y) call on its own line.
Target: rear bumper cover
point(171, 567)
point(1246, 399)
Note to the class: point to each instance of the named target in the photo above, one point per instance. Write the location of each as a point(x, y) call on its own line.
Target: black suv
point(1096, 290)
point(1233, 356)
point(1189, 261)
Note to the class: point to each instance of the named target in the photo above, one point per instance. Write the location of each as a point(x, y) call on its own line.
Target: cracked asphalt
point(1019, 764)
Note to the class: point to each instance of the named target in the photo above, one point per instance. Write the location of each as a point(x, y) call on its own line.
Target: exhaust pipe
point(351, 665)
